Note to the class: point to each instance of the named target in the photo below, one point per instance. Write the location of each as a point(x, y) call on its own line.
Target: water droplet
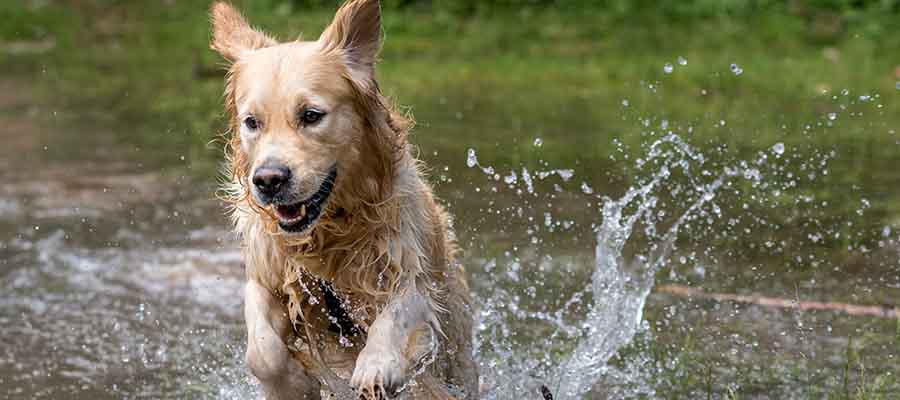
point(778, 148)
point(586, 189)
point(471, 160)
point(625, 103)
point(511, 178)
point(668, 68)
point(538, 142)
point(681, 60)
point(565, 174)
point(141, 312)
point(737, 70)
point(832, 116)
point(527, 178)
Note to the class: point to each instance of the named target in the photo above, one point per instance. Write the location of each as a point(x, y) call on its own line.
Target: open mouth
point(299, 216)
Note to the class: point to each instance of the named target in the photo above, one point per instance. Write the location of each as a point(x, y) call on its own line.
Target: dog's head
point(306, 116)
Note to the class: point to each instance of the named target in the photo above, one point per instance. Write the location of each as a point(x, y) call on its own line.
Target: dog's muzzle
point(297, 216)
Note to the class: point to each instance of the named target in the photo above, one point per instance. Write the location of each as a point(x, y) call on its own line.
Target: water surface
point(120, 278)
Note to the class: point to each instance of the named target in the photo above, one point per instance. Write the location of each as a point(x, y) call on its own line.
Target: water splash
point(620, 283)
point(620, 291)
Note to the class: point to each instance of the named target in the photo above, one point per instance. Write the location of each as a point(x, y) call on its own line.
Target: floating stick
point(847, 308)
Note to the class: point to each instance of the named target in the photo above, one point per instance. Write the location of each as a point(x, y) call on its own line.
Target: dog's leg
point(268, 356)
point(383, 364)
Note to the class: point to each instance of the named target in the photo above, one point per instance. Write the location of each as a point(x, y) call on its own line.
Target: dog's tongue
point(289, 212)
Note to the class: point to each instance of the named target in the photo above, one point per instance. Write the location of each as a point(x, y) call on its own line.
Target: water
point(120, 278)
point(619, 286)
point(118, 281)
point(698, 217)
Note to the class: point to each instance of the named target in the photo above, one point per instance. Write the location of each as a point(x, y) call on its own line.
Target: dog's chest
point(317, 305)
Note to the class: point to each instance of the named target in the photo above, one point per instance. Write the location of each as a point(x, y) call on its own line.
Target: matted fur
point(354, 247)
point(381, 232)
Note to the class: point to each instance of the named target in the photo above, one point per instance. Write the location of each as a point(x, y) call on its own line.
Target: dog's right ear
point(232, 35)
point(355, 32)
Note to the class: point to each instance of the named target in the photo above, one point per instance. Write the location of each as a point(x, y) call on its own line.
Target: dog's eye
point(251, 123)
point(310, 116)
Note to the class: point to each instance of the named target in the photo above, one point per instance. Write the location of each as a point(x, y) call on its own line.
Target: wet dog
point(349, 258)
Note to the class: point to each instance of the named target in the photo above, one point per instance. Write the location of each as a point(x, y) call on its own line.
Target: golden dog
point(349, 258)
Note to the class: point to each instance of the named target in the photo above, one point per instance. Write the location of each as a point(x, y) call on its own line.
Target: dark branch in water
point(849, 309)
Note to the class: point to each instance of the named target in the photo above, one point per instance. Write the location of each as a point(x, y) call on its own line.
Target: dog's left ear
point(356, 33)
point(232, 35)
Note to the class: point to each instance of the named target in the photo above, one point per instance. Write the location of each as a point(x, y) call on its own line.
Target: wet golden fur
point(382, 233)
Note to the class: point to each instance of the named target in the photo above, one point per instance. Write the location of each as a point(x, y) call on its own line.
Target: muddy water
point(119, 278)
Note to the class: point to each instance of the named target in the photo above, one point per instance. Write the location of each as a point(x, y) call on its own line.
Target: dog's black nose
point(269, 180)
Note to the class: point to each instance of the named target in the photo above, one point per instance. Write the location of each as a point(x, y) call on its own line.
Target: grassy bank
point(557, 72)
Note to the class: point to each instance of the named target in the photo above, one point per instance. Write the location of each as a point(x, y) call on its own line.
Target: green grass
point(559, 73)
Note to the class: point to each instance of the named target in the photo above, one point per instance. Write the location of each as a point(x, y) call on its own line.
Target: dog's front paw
point(378, 374)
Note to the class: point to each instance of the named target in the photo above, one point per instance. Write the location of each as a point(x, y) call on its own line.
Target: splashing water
point(619, 294)
point(619, 286)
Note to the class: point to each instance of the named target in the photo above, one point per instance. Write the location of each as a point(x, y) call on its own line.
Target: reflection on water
point(100, 302)
point(120, 280)
point(116, 282)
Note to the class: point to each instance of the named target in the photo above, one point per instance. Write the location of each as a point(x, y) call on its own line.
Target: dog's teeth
point(303, 210)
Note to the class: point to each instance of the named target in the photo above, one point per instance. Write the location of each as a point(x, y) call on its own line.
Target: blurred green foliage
point(672, 8)
point(536, 67)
